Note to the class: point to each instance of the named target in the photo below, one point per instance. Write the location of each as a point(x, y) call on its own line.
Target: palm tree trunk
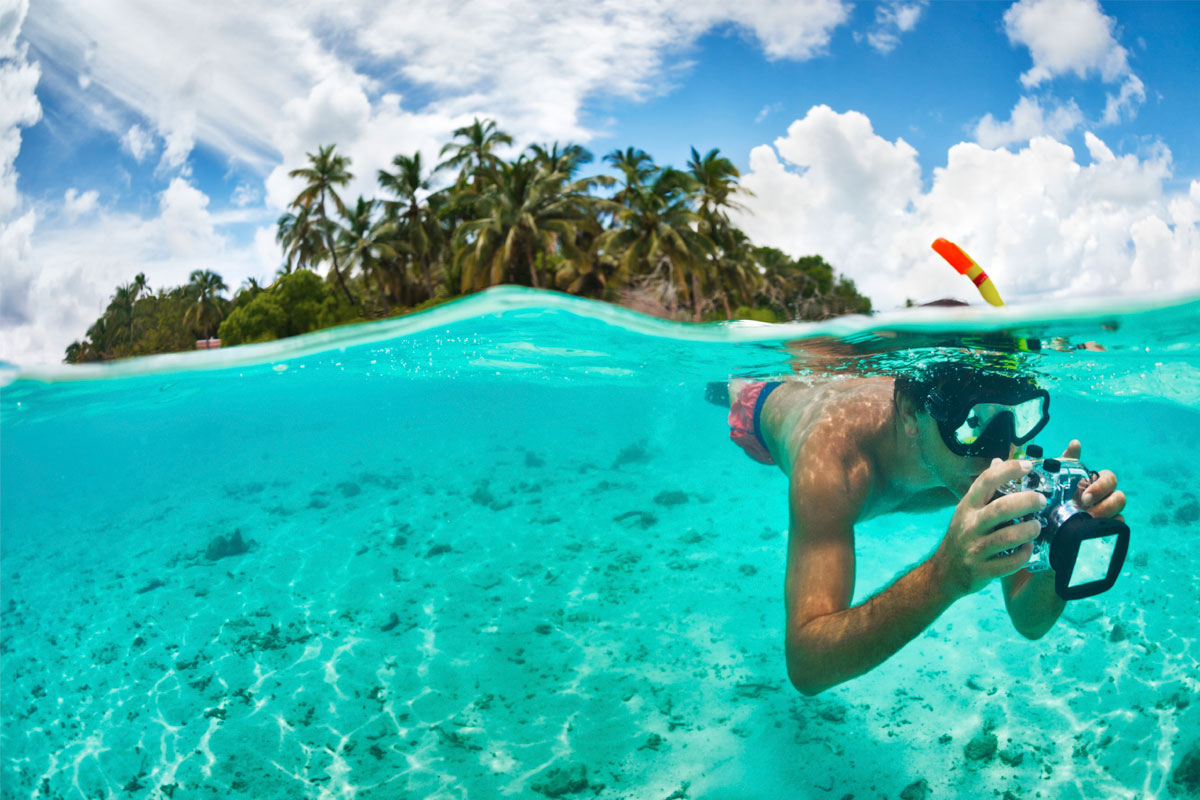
point(428, 278)
point(695, 297)
point(533, 272)
point(333, 250)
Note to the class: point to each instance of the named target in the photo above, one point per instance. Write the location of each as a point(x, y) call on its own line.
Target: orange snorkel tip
point(965, 265)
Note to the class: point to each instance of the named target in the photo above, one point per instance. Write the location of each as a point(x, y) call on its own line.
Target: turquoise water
point(506, 549)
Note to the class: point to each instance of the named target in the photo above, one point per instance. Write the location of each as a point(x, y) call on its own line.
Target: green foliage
point(758, 314)
point(660, 241)
point(296, 303)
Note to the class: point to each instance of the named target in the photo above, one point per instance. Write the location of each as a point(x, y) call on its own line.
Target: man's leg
point(723, 393)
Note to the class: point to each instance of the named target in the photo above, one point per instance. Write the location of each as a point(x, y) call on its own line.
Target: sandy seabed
point(519, 620)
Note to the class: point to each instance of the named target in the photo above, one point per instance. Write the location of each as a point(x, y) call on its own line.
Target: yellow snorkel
point(965, 265)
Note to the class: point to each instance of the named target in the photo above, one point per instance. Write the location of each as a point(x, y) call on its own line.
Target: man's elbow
point(800, 673)
point(1033, 632)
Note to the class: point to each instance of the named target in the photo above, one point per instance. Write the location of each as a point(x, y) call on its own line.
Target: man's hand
point(1099, 496)
point(968, 558)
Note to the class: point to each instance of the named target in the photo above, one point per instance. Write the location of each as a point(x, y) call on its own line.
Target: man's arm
point(1032, 603)
point(827, 642)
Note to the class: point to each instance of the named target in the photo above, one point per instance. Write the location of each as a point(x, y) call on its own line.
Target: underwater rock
point(1140, 560)
point(671, 498)
point(1188, 511)
point(653, 742)
point(1118, 633)
point(1187, 772)
point(917, 790)
point(532, 459)
point(561, 781)
point(222, 547)
point(438, 549)
point(349, 489)
point(1158, 520)
point(832, 711)
point(644, 518)
point(154, 584)
point(482, 496)
point(544, 629)
point(1011, 757)
point(635, 453)
point(392, 622)
point(982, 747)
point(748, 570)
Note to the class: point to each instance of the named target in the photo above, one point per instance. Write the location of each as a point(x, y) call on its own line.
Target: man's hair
point(950, 378)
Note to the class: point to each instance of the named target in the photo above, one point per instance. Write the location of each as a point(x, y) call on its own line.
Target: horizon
point(136, 144)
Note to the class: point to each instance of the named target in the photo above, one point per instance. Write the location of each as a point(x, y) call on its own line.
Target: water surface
point(506, 549)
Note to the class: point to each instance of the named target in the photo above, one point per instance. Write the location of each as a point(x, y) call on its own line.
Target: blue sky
point(1055, 132)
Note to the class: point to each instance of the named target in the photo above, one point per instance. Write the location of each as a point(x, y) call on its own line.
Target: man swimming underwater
point(858, 448)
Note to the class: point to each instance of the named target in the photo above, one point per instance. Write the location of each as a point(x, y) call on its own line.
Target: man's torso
point(825, 425)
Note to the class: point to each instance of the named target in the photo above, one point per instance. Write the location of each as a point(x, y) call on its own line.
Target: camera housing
point(1085, 553)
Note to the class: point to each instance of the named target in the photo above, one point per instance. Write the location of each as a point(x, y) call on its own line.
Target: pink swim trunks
point(744, 420)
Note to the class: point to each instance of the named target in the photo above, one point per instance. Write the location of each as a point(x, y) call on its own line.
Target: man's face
point(955, 472)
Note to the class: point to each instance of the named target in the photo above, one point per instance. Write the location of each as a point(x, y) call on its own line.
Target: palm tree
point(300, 239)
point(322, 176)
point(364, 243)
point(416, 223)
point(140, 286)
point(477, 151)
point(120, 311)
point(525, 214)
point(716, 181)
point(636, 166)
point(568, 160)
point(658, 234)
point(207, 308)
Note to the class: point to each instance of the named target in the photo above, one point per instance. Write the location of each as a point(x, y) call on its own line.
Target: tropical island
point(653, 238)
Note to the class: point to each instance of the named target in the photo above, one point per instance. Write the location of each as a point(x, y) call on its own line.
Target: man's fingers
point(1104, 485)
point(991, 479)
point(1010, 536)
point(1010, 506)
point(1109, 507)
point(1007, 565)
point(1073, 450)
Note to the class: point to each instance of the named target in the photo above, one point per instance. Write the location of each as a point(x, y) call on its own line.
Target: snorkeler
point(861, 447)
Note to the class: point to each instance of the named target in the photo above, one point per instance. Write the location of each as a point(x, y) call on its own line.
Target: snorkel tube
point(965, 265)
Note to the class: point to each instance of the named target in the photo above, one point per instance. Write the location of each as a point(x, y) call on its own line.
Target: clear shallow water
point(579, 575)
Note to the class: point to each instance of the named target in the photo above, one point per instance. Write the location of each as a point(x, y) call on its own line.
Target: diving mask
point(985, 418)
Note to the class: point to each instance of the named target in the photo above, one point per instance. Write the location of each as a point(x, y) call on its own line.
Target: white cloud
point(186, 226)
point(19, 106)
point(1040, 223)
point(245, 195)
point(224, 79)
point(787, 30)
point(138, 142)
point(767, 110)
point(892, 19)
point(1126, 101)
point(1065, 36)
point(1028, 120)
point(78, 266)
point(77, 204)
point(16, 269)
point(1074, 37)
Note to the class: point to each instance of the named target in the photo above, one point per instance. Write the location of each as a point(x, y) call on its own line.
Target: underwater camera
point(1085, 553)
